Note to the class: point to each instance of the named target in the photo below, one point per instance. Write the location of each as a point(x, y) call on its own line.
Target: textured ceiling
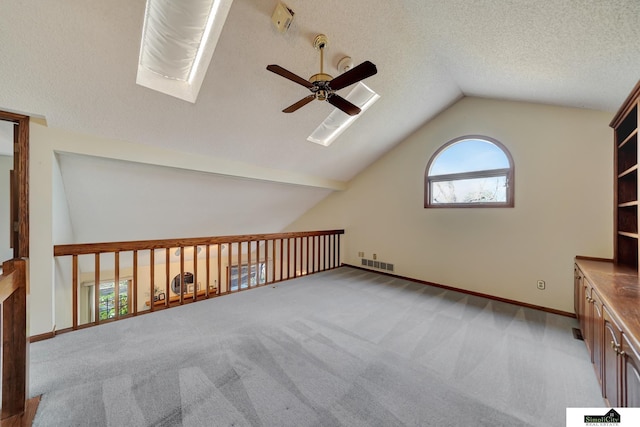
point(74, 63)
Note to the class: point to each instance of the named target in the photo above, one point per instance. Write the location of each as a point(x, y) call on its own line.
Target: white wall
point(62, 233)
point(6, 164)
point(563, 204)
point(41, 267)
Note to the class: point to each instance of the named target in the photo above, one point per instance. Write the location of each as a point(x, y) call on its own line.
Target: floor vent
point(377, 264)
point(577, 334)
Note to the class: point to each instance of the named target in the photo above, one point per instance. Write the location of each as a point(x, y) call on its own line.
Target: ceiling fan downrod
point(321, 79)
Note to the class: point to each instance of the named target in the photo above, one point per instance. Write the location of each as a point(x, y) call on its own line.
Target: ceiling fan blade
point(341, 103)
point(304, 101)
point(289, 75)
point(354, 75)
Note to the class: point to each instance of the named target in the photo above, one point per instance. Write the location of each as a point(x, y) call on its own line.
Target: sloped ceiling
point(117, 201)
point(74, 63)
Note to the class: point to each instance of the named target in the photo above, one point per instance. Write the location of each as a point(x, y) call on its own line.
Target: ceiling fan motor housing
point(321, 88)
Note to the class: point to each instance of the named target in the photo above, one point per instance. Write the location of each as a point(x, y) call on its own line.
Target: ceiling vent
point(282, 17)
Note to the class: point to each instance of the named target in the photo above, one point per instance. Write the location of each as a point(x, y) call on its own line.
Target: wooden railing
point(13, 298)
point(157, 274)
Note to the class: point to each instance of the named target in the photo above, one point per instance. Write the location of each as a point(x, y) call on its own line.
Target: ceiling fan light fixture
point(178, 40)
point(337, 121)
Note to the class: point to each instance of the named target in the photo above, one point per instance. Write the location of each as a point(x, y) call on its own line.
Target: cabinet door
point(611, 378)
point(597, 330)
point(631, 372)
point(587, 324)
point(578, 292)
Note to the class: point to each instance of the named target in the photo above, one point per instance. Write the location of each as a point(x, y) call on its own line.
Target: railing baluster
point(207, 254)
point(96, 290)
point(134, 283)
point(116, 286)
point(306, 266)
point(313, 254)
point(295, 257)
point(258, 263)
point(195, 273)
point(239, 281)
point(182, 281)
point(316, 253)
point(152, 279)
point(219, 284)
point(338, 256)
point(249, 264)
point(167, 284)
point(74, 281)
point(273, 261)
point(230, 259)
point(281, 259)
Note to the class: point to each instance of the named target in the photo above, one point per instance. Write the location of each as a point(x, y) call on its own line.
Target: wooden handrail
point(96, 248)
point(13, 296)
point(265, 258)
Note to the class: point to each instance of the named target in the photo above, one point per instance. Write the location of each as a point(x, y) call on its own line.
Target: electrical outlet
point(541, 284)
point(360, 254)
point(375, 256)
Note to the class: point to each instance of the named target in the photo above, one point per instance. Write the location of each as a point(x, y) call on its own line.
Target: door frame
point(20, 187)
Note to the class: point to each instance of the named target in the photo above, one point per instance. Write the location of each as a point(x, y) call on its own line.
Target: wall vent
point(377, 264)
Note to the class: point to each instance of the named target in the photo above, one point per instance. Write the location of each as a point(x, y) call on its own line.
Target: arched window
point(470, 171)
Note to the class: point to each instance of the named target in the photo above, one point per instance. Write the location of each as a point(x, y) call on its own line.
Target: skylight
point(337, 122)
point(178, 40)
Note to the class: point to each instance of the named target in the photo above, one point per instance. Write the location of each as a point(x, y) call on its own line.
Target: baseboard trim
point(464, 291)
point(591, 258)
point(42, 337)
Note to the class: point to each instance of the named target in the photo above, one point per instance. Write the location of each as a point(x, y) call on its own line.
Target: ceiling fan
point(323, 87)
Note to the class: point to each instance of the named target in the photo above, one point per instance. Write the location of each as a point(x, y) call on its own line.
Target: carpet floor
point(345, 347)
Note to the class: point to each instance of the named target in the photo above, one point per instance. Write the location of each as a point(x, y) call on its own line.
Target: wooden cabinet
point(607, 292)
point(631, 370)
point(607, 297)
point(581, 303)
point(625, 126)
point(611, 367)
point(597, 334)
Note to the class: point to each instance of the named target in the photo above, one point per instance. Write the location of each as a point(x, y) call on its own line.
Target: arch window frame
point(508, 173)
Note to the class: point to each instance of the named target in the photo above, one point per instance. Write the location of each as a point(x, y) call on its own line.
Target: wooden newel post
point(14, 342)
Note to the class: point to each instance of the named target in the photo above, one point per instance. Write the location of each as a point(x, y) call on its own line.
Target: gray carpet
point(344, 347)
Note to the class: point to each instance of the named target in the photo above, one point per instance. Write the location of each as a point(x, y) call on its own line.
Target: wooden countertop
point(619, 288)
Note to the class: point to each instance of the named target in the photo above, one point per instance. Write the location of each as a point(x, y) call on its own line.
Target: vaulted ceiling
point(74, 63)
